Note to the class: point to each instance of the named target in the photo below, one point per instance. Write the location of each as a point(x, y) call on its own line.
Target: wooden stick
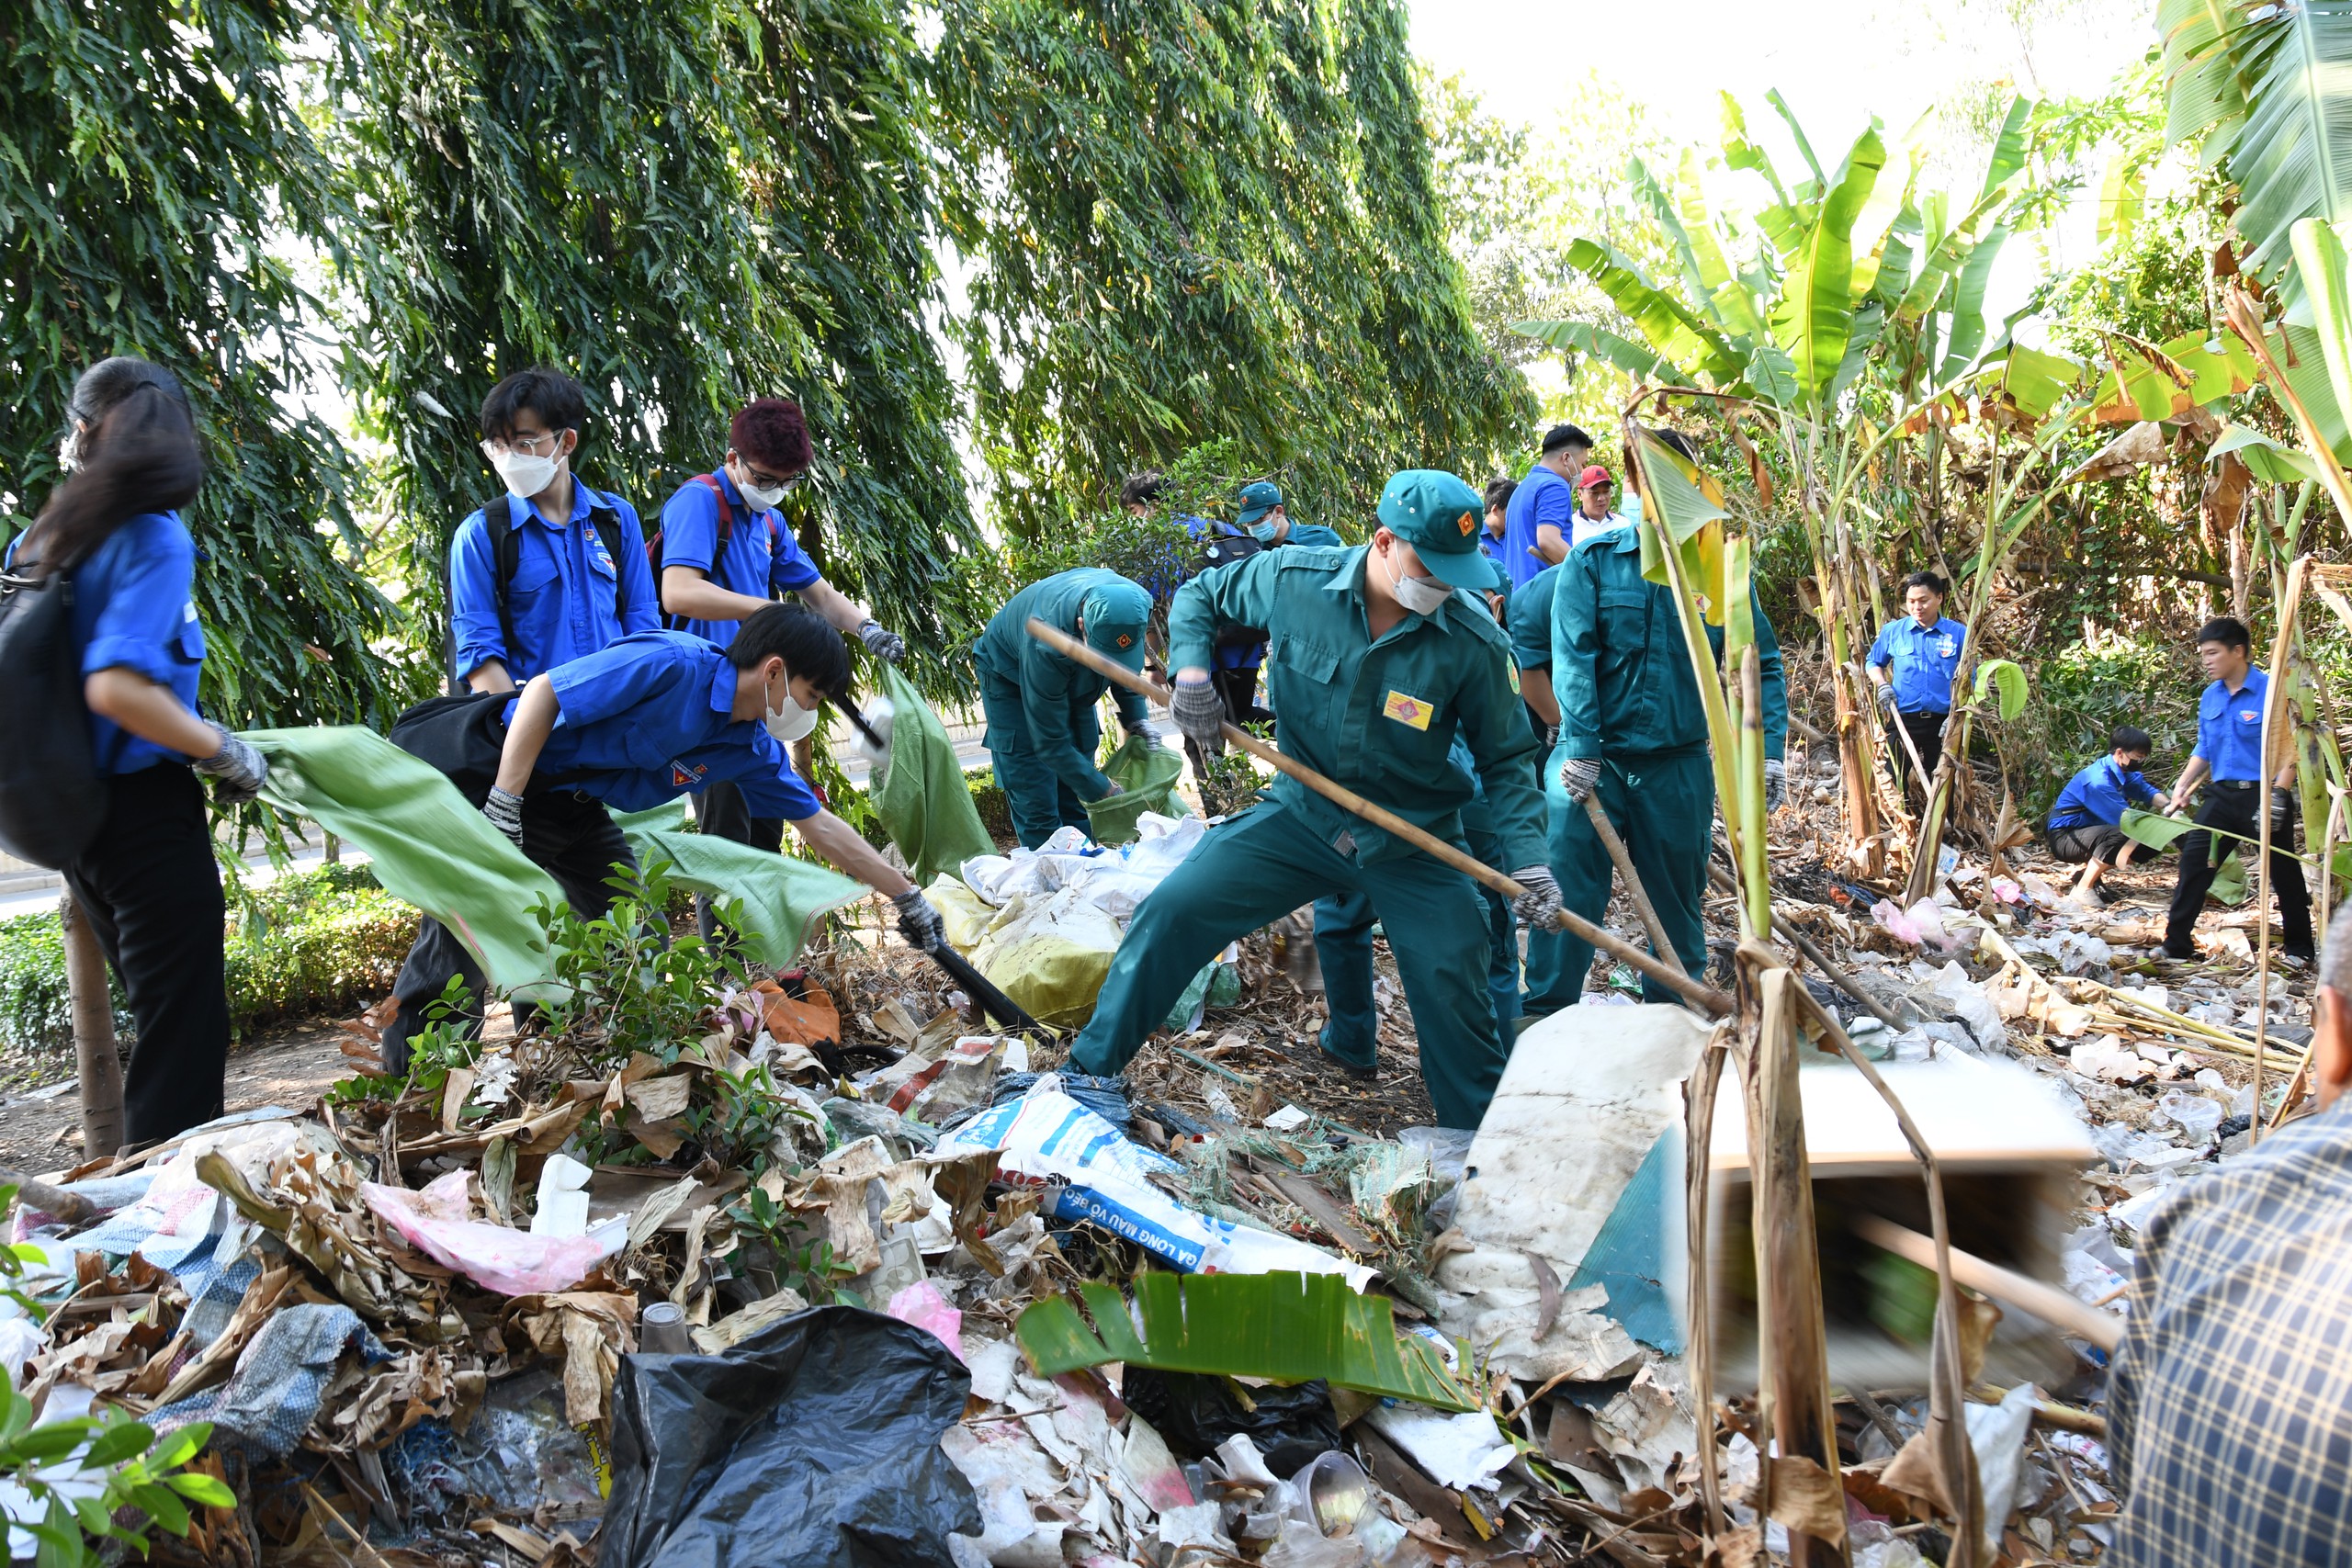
point(93, 1042)
point(1705, 998)
point(2046, 1301)
point(54, 1202)
point(2274, 740)
point(1607, 833)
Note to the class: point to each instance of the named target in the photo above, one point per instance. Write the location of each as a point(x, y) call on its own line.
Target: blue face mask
point(1262, 532)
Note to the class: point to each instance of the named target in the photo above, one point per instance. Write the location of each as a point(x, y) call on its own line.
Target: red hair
point(772, 432)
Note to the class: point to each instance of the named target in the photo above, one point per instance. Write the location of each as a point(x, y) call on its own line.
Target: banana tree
point(1848, 276)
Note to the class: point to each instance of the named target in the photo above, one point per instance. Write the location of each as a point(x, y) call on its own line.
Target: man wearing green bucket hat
point(1040, 707)
point(1377, 664)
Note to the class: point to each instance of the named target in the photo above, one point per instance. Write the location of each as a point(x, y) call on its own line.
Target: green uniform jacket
point(1315, 536)
point(1619, 667)
point(1055, 689)
point(1377, 717)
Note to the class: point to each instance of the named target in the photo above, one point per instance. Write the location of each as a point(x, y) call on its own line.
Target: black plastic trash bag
point(1196, 1412)
point(813, 1444)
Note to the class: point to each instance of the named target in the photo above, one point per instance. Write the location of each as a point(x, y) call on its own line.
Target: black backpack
point(506, 550)
point(52, 796)
point(1221, 545)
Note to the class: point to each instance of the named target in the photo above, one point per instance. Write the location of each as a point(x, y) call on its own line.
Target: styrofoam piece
point(1969, 1112)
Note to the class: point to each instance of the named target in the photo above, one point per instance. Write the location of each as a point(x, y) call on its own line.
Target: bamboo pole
point(1607, 833)
point(94, 1042)
point(2045, 1301)
point(1705, 998)
point(1699, 1092)
point(2274, 738)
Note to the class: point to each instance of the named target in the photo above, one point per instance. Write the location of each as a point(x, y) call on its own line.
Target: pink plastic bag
point(512, 1262)
point(921, 1305)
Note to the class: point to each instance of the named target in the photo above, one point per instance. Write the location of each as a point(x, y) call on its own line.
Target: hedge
point(305, 943)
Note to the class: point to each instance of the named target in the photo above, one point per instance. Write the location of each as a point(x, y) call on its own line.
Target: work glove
point(2282, 803)
point(1776, 783)
point(505, 813)
point(1886, 699)
point(1580, 776)
point(1148, 732)
point(919, 922)
point(1536, 905)
point(881, 641)
point(1551, 735)
point(1199, 713)
point(237, 767)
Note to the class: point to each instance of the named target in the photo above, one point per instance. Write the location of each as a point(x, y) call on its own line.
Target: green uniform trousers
point(1663, 804)
point(1258, 868)
point(1343, 925)
point(1038, 799)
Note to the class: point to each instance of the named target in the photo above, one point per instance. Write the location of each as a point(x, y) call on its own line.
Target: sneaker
point(2180, 956)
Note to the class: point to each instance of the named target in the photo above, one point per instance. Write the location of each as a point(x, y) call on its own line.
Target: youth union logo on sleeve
point(1410, 711)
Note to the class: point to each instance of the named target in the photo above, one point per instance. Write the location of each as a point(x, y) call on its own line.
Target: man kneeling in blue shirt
point(655, 716)
point(2085, 823)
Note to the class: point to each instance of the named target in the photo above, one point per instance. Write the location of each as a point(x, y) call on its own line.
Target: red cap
point(1595, 475)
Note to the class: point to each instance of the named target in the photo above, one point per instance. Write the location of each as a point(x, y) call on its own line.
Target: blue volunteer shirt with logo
point(1925, 659)
point(2098, 794)
point(2229, 728)
point(1542, 497)
point(650, 718)
point(762, 555)
point(569, 596)
point(132, 611)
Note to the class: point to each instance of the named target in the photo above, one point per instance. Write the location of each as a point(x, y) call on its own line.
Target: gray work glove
point(1199, 712)
point(1776, 783)
point(1886, 698)
point(1148, 731)
point(1551, 735)
point(881, 641)
point(505, 813)
point(1536, 905)
point(2282, 803)
point(919, 922)
point(237, 767)
point(1580, 776)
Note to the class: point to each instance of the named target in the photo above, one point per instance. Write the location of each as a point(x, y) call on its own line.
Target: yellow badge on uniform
point(1514, 678)
point(1408, 710)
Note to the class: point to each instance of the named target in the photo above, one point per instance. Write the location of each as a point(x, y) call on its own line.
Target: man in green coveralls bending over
point(1040, 707)
point(1631, 726)
point(1377, 663)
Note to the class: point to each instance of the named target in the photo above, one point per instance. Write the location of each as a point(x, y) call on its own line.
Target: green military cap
point(1115, 614)
point(1258, 499)
point(1439, 516)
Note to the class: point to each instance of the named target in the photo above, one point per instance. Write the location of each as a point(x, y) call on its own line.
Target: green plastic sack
point(430, 847)
point(921, 795)
point(782, 896)
point(1147, 776)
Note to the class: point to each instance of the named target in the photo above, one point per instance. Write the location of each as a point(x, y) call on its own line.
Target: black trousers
point(151, 891)
point(722, 812)
point(1927, 733)
point(2234, 808)
point(2092, 840)
point(571, 837)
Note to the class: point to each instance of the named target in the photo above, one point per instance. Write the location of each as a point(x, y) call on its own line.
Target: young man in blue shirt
point(2084, 825)
point(1491, 537)
point(1913, 664)
point(726, 552)
point(1539, 522)
point(550, 571)
point(2228, 760)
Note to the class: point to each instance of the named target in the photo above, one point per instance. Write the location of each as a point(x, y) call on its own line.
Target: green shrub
point(304, 944)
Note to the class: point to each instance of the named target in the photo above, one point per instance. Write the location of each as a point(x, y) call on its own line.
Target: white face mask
point(788, 721)
point(760, 499)
point(525, 476)
point(1420, 595)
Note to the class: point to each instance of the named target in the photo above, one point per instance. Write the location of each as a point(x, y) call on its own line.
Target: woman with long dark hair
point(148, 883)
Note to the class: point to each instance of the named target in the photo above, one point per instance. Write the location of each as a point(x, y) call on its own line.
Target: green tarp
point(1147, 776)
point(430, 847)
point(782, 897)
point(921, 795)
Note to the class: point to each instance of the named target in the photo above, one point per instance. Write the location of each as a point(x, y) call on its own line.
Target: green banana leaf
point(780, 896)
point(2010, 145)
point(2320, 259)
point(2202, 99)
point(1814, 315)
point(2006, 674)
point(2293, 159)
point(431, 847)
point(1966, 343)
point(1720, 284)
point(1580, 337)
point(1289, 1328)
point(2036, 382)
point(1671, 327)
point(2273, 462)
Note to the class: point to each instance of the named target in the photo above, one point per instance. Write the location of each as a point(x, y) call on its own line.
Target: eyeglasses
point(774, 481)
point(540, 445)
